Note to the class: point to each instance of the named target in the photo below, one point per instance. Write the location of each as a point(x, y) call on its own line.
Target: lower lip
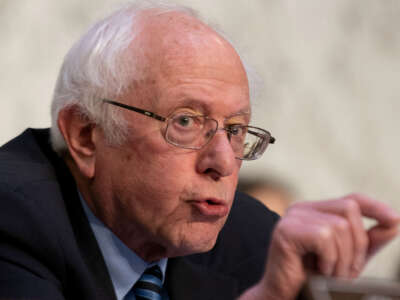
point(210, 209)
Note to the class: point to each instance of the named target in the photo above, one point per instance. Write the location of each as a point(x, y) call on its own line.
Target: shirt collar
point(124, 266)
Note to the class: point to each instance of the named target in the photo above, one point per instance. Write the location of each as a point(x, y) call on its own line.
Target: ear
point(79, 134)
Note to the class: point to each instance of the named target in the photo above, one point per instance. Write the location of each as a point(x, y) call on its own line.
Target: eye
point(184, 120)
point(235, 129)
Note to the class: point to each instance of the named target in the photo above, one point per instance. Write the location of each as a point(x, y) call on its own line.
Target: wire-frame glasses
point(191, 131)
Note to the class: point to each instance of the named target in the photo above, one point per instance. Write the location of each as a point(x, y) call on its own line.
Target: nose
point(217, 158)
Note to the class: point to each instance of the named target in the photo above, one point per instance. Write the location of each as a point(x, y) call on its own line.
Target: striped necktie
point(149, 285)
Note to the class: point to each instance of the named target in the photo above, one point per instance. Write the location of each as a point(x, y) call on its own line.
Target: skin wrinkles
point(198, 107)
point(148, 191)
point(205, 93)
point(144, 191)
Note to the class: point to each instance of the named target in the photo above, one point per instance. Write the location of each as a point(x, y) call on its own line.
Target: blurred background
point(329, 95)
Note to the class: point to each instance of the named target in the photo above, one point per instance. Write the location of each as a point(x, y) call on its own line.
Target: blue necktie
point(149, 285)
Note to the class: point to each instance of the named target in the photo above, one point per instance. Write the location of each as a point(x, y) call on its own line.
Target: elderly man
point(134, 199)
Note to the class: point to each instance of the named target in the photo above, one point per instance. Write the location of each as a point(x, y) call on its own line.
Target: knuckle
point(342, 225)
point(324, 233)
point(351, 207)
point(283, 227)
point(284, 234)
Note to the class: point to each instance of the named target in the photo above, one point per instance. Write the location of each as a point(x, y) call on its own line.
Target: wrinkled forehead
point(175, 46)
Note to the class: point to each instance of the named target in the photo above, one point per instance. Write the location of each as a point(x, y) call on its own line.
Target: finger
point(344, 244)
point(324, 246)
point(349, 208)
point(379, 236)
point(342, 240)
point(334, 238)
point(388, 222)
point(352, 212)
point(306, 238)
point(369, 207)
point(377, 210)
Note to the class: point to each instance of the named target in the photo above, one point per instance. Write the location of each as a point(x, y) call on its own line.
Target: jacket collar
point(186, 280)
point(91, 254)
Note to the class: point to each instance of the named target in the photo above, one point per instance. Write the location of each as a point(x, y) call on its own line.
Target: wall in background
point(330, 94)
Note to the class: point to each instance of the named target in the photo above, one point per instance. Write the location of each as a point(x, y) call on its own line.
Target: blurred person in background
point(274, 194)
point(132, 192)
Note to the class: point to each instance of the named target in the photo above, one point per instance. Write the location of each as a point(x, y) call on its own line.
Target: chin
point(193, 246)
point(192, 250)
point(198, 237)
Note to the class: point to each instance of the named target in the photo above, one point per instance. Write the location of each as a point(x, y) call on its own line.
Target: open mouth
point(211, 202)
point(211, 207)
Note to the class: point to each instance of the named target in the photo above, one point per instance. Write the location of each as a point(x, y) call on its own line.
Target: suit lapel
point(102, 284)
point(91, 254)
point(185, 280)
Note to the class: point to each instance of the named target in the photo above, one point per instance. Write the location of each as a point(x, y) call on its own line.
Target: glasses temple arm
point(135, 109)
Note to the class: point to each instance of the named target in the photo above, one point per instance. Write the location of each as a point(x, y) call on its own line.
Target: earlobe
point(79, 134)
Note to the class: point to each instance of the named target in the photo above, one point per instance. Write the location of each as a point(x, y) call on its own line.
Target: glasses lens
point(190, 131)
point(248, 142)
point(193, 132)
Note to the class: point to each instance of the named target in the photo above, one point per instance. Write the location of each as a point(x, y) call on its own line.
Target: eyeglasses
point(192, 131)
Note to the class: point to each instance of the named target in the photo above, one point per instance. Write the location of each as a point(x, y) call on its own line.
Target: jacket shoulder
point(30, 214)
point(24, 159)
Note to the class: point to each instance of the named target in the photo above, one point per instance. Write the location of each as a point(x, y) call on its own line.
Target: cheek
point(159, 164)
point(154, 181)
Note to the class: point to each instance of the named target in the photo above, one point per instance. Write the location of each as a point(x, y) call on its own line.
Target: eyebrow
point(191, 103)
point(242, 112)
point(205, 108)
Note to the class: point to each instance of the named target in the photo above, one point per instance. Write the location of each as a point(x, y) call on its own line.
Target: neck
point(103, 210)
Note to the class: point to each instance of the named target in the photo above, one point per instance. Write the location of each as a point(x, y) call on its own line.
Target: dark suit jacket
point(48, 250)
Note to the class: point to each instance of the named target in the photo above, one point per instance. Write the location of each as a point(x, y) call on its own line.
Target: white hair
point(99, 66)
